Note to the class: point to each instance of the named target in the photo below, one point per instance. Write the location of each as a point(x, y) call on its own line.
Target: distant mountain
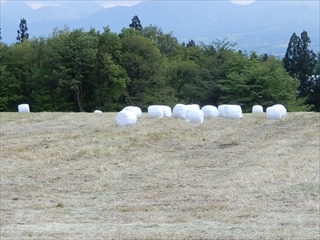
point(67, 11)
point(15, 10)
point(263, 26)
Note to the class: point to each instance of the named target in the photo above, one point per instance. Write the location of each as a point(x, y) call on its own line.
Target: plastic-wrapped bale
point(194, 115)
point(232, 111)
point(273, 113)
point(134, 109)
point(257, 109)
point(193, 106)
point(126, 118)
point(220, 109)
point(210, 111)
point(282, 108)
point(155, 111)
point(166, 111)
point(97, 111)
point(23, 108)
point(179, 111)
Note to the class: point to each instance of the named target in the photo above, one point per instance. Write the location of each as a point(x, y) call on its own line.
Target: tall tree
point(300, 62)
point(214, 62)
point(0, 35)
point(145, 66)
point(166, 42)
point(16, 73)
point(4, 78)
point(45, 94)
point(22, 33)
point(79, 62)
point(186, 81)
point(315, 89)
point(191, 43)
point(291, 58)
point(109, 77)
point(307, 63)
point(53, 73)
point(136, 24)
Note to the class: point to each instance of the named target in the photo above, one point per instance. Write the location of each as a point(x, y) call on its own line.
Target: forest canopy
point(77, 70)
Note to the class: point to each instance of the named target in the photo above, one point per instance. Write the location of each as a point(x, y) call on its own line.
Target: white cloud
point(242, 2)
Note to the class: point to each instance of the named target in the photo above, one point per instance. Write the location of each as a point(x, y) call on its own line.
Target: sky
point(37, 4)
point(106, 4)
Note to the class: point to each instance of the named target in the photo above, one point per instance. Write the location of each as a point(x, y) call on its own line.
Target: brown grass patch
point(80, 176)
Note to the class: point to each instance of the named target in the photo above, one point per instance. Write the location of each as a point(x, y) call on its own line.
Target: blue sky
point(106, 4)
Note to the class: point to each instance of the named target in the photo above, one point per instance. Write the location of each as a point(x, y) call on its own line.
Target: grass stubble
point(80, 176)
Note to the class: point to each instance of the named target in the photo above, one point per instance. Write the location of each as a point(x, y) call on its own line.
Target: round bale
point(126, 118)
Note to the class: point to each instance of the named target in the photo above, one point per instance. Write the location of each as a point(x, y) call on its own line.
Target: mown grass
point(80, 176)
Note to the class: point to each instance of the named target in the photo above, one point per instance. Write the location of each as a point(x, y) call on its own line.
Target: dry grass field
point(80, 176)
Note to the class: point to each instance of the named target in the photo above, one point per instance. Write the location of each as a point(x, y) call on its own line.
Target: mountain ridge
point(262, 26)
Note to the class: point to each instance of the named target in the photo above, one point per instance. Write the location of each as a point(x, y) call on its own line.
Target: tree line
point(77, 70)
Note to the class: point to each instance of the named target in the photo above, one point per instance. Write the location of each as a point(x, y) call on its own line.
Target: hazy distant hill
point(68, 11)
point(263, 26)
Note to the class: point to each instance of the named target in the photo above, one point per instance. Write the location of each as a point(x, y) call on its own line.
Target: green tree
point(191, 43)
point(136, 24)
point(259, 82)
point(193, 53)
point(78, 58)
point(314, 97)
point(53, 73)
point(44, 94)
point(110, 78)
point(50, 93)
point(10, 93)
point(18, 62)
point(4, 80)
point(22, 33)
point(166, 42)
point(145, 67)
point(186, 81)
point(214, 64)
point(300, 62)
point(291, 58)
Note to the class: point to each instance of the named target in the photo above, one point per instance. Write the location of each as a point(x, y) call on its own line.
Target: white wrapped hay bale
point(166, 111)
point(194, 115)
point(155, 111)
point(273, 113)
point(126, 118)
point(97, 111)
point(193, 106)
point(282, 108)
point(210, 111)
point(257, 109)
point(179, 111)
point(134, 109)
point(23, 108)
point(232, 111)
point(220, 109)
